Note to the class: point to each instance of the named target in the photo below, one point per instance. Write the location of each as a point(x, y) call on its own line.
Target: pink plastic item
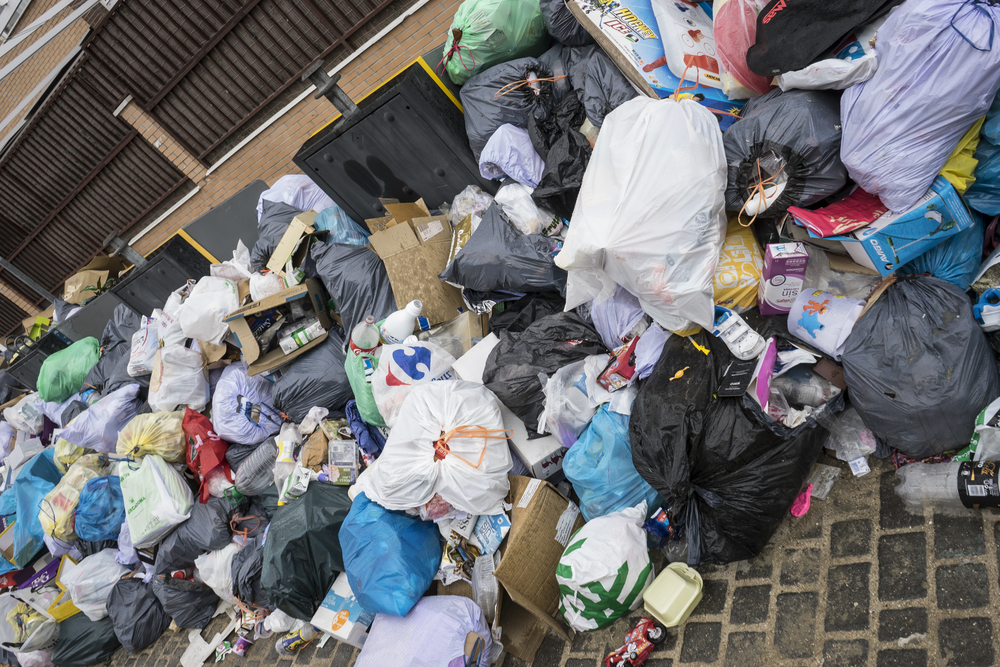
point(735, 33)
point(855, 211)
point(801, 504)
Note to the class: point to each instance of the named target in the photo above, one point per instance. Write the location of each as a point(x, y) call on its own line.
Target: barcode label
point(976, 490)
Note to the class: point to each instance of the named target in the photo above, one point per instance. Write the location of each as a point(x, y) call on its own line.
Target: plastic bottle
point(299, 334)
point(934, 484)
point(365, 337)
point(400, 324)
point(255, 474)
point(805, 388)
point(286, 441)
point(293, 641)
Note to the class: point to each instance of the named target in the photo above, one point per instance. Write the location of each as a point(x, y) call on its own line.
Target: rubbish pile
point(715, 252)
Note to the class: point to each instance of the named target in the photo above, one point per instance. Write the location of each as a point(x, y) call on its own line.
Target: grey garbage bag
point(317, 378)
point(791, 138)
point(485, 111)
point(499, 257)
point(561, 24)
point(206, 530)
point(918, 367)
point(274, 220)
point(84, 642)
point(605, 88)
point(570, 62)
point(237, 454)
point(355, 278)
point(138, 616)
point(189, 603)
point(246, 570)
point(302, 554)
point(116, 344)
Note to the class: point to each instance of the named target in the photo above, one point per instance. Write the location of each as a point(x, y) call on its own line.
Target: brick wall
point(269, 155)
point(163, 141)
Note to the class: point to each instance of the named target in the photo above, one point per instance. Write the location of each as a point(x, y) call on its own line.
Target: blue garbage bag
point(984, 195)
point(956, 259)
point(390, 557)
point(8, 504)
point(600, 468)
point(342, 227)
point(101, 510)
point(37, 478)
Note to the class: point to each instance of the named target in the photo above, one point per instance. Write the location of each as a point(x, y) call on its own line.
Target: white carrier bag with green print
point(604, 570)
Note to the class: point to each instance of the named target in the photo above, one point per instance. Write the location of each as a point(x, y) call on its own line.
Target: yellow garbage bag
point(58, 508)
point(961, 164)
point(66, 454)
point(158, 433)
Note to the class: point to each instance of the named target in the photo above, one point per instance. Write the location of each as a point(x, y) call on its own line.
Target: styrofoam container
point(673, 595)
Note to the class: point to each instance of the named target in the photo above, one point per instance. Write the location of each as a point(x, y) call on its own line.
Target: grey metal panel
point(235, 218)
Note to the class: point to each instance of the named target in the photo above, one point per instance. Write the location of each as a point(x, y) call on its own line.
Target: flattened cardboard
point(7, 543)
point(831, 372)
point(413, 263)
point(531, 552)
point(309, 290)
point(376, 225)
point(298, 228)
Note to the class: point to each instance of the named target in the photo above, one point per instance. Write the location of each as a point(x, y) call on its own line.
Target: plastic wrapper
point(604, 570)
point(449, 441)
point(24, 629)
point(522, 212)
point(661, 244)
point(402, 367)
point(568, 406)
point(26, 415)
point(735, 30)
point(60, 504)
point(919, 368)
point(938, 73)
point(159, 433)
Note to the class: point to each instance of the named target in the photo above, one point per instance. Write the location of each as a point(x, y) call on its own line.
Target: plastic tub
point(674, 594)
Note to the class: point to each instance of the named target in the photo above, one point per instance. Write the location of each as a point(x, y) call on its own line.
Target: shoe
point(742, 341)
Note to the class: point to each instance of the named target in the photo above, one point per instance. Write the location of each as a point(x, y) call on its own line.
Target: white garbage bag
point(215, 570)
point(263, 285)
point(448, 440)
point(89, 583)
point(202, 313)
point(145, 343)
point(98, 426)
point(651, 212)
point(179, 378)
point(26, 415)
point(400, 368)
point(295, 190)
point(241, 407)
point(157, 499)
point(604, 570)
point(32, 631)
point(237, 268)
point(168, 326)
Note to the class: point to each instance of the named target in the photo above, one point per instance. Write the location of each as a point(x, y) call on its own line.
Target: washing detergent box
point(341, 616)
point(896, 238)
point(782, 276)
point(653, 43)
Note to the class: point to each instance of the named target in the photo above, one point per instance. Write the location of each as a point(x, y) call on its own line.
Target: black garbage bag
point(544, 347)
point(500, 257)
point(274, 220)
point(605, 88)
point(728, 471)
point(302, 554)
point(246, 571)
point(88, 548)
point(485, 111)
point(8, 386)
point(317, 378)
point(793, 136)
point(8, 658)
point(566, 152)
point(520, 314)
point(138, 617)
point(561, 24)
point(206, 530)
point(918, 367)
point(569, 62)
point(84, 642)
point(116, 345)
point(267, 500)
point(791, 35)
point(71, 411)
point(189, 603)
point(355, 278)
point(237, 454)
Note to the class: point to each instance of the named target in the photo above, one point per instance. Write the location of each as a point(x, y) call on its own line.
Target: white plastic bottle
point(398, 326)
point(365, 337)
point(286, 441)
point(934, 484)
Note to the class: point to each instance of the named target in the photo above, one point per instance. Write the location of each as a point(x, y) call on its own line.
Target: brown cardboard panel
point(523, 633)
point(848, 265)
point(299, 227)
point(831, 372)
point(75, 290)
point(376, 225)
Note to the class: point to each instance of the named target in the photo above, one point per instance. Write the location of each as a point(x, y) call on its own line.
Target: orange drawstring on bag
point(759, 188)
point(442, 450)
point(514, 85)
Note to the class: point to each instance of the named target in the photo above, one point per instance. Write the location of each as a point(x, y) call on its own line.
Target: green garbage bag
point(485, 33)
point(302, 553)
point(362, 388)
point(63, 373)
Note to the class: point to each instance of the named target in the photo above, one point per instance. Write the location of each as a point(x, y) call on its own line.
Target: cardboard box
point(782, 276)
point(7, 543)
point(311, 291)
point(414, 248)
point(542, 522)
point(298, 229)
point(99, 269)
point(543, 457)
point(341, 616)
point(629, 33)
point(469, 328)
point(896, 238)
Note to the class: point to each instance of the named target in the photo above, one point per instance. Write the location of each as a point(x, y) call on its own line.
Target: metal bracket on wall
point(326, 86)
point(120, 247)
point(24, 278)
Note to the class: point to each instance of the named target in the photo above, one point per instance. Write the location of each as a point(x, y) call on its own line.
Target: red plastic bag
point(735, 32)
point(205, 450)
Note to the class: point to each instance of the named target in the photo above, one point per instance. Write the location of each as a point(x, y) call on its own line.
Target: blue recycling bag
point(600, 468)
point(956, 259)
point(101, 510)
point(342, 228)
point(390, 557)
point(37, 478)
point(984, 194)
